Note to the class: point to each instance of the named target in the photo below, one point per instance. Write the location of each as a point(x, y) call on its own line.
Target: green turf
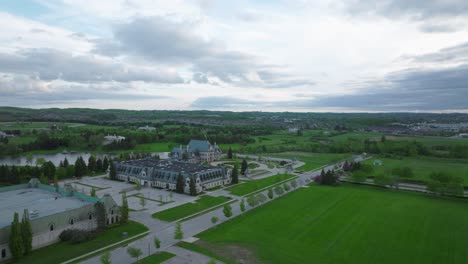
point(351, 224)
point(63, 251)
point(254, 185)
point(187, 209)
point(203, 251)
point(154, 147)
point(157, 258)
point(423, 166)
point(312, 161)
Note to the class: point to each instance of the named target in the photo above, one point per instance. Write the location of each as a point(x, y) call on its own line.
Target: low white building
point(147, 128)
point(114, 138)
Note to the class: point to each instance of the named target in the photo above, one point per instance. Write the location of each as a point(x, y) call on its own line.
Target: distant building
point(293, 129)
point(377, 163)
point(197, 151)
point(147, 128)
point(461, 135)
point(164, 173)
point(50, 212)
point(3, 134)
point(109, 139)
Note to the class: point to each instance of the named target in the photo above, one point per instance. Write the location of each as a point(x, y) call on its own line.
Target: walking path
point(165, 231)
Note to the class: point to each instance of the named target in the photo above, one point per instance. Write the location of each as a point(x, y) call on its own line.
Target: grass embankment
point(187, 209)
point(422, 167)
point(254, 185)
point(349, 224)
point(157, 258)
point(63, 251)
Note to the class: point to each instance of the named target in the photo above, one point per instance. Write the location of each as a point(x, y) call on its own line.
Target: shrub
point(76, 236)
point(279, 190)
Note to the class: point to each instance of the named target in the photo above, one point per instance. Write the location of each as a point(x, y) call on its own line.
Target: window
point(51, 227)
point(72, 221)
point(90, 216)
point(3, 253)
point(112, 212)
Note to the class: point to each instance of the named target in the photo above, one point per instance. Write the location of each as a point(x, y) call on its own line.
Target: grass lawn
point(62, 251)
point(423, 166)
point(349, 224)
point(312, 160)
point(154, 147)
point(184, 210)
point(203, 251)
point(254, 185)
point(157, 258)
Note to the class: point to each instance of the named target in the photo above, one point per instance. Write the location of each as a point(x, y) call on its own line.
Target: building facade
point(197, 151)
point(164, 173)
point(50, 211)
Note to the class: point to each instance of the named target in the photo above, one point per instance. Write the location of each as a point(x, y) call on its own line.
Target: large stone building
point(197, 151)
point(50, 212)
point(164, 173)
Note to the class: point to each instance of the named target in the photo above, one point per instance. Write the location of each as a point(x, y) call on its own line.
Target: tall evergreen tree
point(180, 184)
point(235, 174)
point(26, 233)
point(244, 166)
point(16, 240)
point(105, 164)
point(193, 189)
point(229, 154)
point(112, 172)
point(65, 162)
point(91, 163)
point(99, 165)
point(124, 210)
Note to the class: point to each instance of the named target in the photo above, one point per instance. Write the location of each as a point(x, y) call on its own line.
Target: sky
point(262, 55)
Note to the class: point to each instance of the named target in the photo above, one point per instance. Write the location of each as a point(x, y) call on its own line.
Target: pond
point(56, 158)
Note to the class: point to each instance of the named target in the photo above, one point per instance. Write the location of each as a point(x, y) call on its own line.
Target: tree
point(93, 192)
point(214, 220)
point(178, 233)
point(134, 253)
point(157, 243)
point(294, 184)
point(235, 174)
point(48, 169)
point(142, 202)
point(112, 172)
point(193, 188)
point(16, 241)
point(105, 164)
point(244, 166)
point(242, 205)
point(383, 139)
point(101, 215)
point(80, 167)
point(227, 210)
point(270, 193)
point(279, 190)
point(105, 258)
point(124, 210)
point(286, 187)
point(180, 184)
point(98, 165)
point(65, 162)
point(229, 154)
point(91, 163)
point(138, 185)
point(26, 233)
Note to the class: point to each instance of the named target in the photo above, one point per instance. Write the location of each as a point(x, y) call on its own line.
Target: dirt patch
point(235, 252)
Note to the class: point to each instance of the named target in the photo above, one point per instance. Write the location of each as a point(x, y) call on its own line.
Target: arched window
point(90, 216)
point(72, 221)
point(51, 227)
point(3, 253)
point(112, 211)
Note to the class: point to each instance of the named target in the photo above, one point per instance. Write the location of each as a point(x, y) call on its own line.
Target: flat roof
point(35, 200)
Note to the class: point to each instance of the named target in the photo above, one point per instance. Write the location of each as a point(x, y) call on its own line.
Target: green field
point(254, 185)
point(423, 166)
point(312, 161)
point(348, 224)
point(187, 209)
point(154, 147)
point(157, 258)
point(64, 251)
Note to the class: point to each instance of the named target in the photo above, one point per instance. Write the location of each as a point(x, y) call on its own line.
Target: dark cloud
point(455, 54)
point(49, 64)
point(439, 28)
point(161, 40)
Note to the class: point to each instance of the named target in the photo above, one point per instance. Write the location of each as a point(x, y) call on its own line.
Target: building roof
point(200, 145)
point(169, 165)
point(38, 201)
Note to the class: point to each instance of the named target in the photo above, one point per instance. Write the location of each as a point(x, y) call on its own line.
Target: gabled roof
point(200, 145)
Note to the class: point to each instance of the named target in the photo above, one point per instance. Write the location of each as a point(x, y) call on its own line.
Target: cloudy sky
point(283, 55)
